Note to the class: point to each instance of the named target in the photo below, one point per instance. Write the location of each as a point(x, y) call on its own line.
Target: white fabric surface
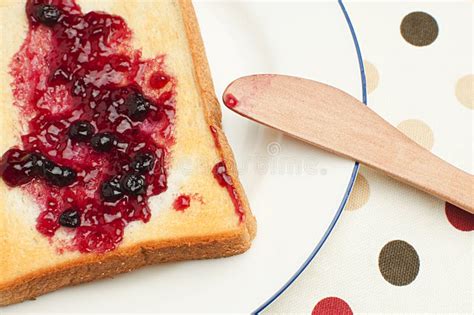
point(417, 89)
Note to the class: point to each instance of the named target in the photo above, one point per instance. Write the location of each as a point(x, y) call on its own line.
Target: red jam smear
point(230, 100)
point(84, 68)
point(159, 80)
point(216, 139)
point(224, 179)
point(182, 203)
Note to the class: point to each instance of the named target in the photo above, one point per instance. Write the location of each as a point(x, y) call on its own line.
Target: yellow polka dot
point(418, 131)
point(465, 90)
point(359, 195)
point(371, 75)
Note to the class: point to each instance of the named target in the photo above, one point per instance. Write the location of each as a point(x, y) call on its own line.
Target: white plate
point(295, 191)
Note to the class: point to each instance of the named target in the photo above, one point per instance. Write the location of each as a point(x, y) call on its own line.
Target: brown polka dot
point(465, 90)
point(371, 75)
point(419, 28)
point(359, 195)
point(418, 131)
point(399, 263)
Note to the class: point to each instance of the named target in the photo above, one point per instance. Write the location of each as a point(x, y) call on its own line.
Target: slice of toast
point(214, 220)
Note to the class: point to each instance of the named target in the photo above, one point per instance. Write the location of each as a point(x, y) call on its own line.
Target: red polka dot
point(458, 218)
point(332, 306)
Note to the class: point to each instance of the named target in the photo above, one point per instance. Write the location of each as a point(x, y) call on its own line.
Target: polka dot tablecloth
point(395, 249)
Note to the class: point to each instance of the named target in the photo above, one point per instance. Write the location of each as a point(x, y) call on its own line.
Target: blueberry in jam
point(70, 218)
point(111, 190)
point(103, 142)
point(81, 131)
point(138, 107)
point(133, 184)
point(31, 164)
point(46, 14)
point(143, 162)
point(19, 167)
point(60, 176)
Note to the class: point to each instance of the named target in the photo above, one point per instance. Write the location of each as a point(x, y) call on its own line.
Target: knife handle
point(392, 152)
point(333, 120)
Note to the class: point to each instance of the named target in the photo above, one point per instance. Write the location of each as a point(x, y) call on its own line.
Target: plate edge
point(355, 171)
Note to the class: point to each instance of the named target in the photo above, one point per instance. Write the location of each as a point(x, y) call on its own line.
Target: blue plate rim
point(351, 182)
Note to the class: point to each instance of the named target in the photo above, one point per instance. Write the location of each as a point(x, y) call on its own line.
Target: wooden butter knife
point(335, 121)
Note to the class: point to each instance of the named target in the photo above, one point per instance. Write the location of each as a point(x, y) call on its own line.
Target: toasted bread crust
point(94, 266)
point(211, 105)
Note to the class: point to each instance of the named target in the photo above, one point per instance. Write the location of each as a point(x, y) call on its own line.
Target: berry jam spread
point(182, 202)
point(99, 124)
point(223, 178)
